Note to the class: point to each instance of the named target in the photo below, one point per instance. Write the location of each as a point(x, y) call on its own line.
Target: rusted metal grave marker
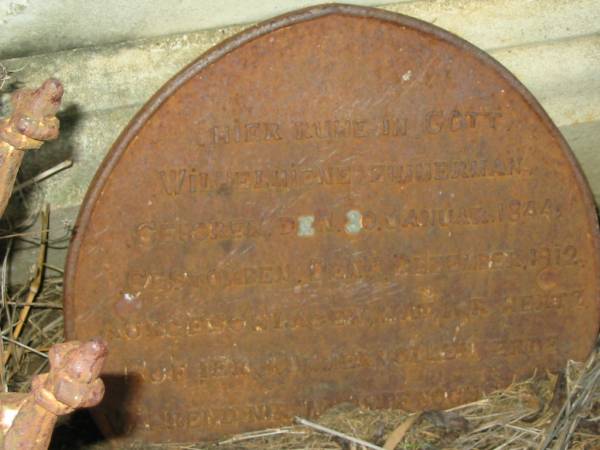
point(342, 204)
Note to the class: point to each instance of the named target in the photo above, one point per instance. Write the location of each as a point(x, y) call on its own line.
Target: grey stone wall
point(112, 56)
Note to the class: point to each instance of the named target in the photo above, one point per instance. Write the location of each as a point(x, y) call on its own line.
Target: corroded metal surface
point(27, 420)
point(339, 205)
point(32, 122)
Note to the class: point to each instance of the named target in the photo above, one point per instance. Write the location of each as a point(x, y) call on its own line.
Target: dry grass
point(31, 316)
point(546, 412)
point(526, 415)
point(7, 77)
point(4, 76)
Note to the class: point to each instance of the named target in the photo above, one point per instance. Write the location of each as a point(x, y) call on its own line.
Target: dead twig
point(34, 288)
point(26, 347)
point(331, 432)
point(4, 76)
point(43, 175)
point(398, 434)
point(260, 434)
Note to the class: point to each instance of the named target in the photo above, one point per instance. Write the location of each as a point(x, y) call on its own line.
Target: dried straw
point(30, 316)
point(546, 412)
point(4, 75)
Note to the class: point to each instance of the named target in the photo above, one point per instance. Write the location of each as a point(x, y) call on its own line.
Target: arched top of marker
point(294, 18)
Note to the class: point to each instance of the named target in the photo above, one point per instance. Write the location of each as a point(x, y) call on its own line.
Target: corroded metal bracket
point(27, 420)
point(32, 122)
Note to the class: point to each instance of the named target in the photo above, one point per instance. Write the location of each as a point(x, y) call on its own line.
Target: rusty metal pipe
point(32, 122)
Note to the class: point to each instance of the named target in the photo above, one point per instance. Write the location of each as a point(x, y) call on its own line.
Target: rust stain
point(341, 204)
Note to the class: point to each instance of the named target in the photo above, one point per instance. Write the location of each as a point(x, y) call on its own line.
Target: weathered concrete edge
point(30, 27)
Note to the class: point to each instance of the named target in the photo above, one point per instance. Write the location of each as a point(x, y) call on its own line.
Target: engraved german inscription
point(432, 122)
point(192, 180)
point(342, 205)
